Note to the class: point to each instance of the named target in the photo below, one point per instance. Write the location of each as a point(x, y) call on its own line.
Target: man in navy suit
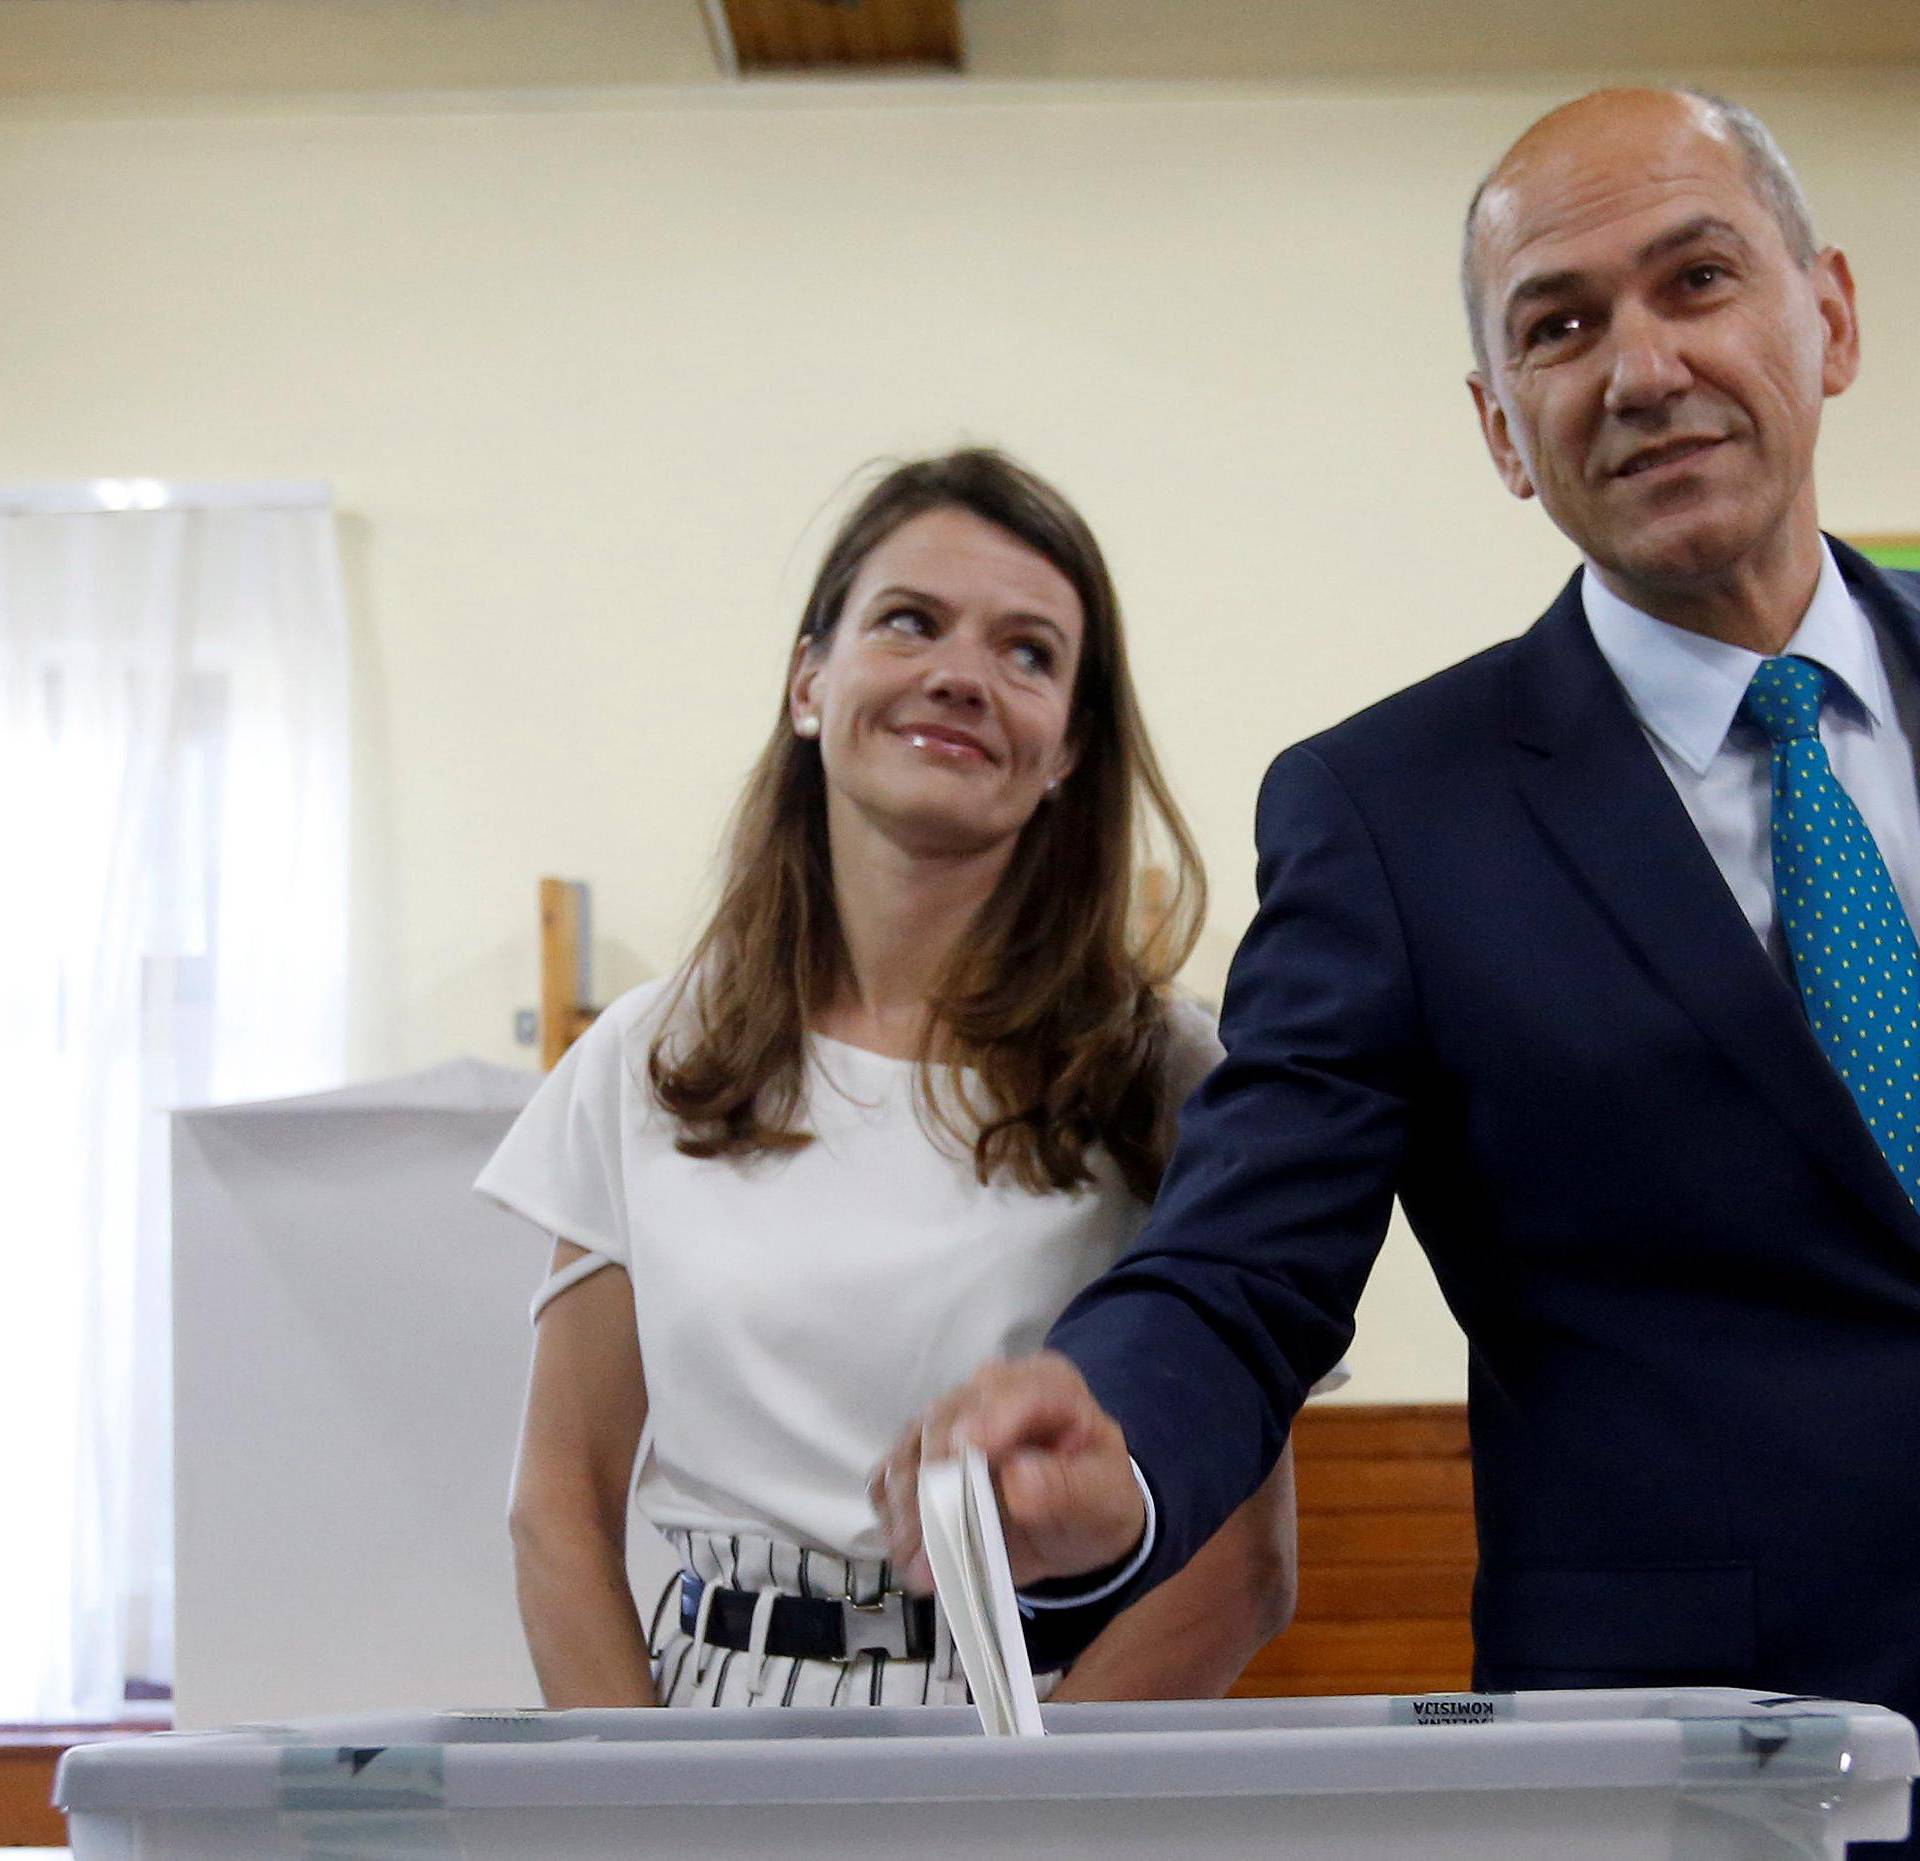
point(1597, 951)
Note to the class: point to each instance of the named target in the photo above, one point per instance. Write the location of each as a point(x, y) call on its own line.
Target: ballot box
point(1704, 1775)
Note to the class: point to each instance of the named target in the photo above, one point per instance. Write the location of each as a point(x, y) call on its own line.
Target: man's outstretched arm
point(1190, 1357)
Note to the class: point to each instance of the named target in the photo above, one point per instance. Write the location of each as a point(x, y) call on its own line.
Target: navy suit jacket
point(1496, 972)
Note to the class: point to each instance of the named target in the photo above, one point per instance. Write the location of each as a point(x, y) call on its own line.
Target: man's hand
point(1068, 1497)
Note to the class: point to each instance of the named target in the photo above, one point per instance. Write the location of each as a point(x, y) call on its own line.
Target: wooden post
point(563, 967)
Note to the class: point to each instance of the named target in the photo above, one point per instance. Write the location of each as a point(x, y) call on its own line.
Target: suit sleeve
point(1239, 1295)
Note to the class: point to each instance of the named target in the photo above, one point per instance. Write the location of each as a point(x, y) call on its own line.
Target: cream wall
point(583, 370)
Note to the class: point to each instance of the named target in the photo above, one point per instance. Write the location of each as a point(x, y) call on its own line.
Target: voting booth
point(1704, 1775)
point(350, 1358)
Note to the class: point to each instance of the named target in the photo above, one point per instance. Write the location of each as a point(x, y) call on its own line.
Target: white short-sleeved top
point(796, 1311)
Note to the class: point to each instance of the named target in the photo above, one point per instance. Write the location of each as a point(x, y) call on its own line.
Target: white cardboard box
point(1706, 1775)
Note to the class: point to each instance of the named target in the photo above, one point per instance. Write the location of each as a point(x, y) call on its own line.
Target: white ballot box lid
point(1583, 1776)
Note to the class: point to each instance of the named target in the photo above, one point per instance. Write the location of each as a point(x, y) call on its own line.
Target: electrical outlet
point(526, 1026)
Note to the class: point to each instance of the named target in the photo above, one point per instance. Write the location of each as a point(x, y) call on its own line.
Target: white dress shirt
point(1685, 690)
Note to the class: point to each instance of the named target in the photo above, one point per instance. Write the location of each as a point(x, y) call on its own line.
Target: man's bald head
point(1768, 173)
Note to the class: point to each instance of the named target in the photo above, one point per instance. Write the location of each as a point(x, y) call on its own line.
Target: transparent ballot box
point(1595, 1776)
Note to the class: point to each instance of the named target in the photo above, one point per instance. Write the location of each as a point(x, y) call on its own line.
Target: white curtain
point(173, 829)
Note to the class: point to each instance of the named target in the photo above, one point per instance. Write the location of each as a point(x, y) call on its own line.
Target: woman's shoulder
point(611, 1053)
point(633, 1020)
point(1193, 1046)
point(564, 1163)
point(1191, 1023)
point(642, 1011)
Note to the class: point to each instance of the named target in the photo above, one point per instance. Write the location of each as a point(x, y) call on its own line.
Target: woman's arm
point(1191, 1637)
point(586, 1406)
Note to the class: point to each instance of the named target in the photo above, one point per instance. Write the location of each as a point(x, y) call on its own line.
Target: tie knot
point(1783, 698)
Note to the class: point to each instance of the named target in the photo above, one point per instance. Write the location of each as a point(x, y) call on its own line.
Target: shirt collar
point(1685, 689)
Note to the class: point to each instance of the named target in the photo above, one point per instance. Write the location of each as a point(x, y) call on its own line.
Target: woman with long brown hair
point(914, 1087)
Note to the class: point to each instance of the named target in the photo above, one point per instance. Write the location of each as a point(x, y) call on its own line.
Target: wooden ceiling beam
point(843, 35)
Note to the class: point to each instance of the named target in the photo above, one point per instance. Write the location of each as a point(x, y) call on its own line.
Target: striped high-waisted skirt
point(686, 1675)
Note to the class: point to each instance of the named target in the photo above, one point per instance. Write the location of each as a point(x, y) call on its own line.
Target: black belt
point(814, 1628)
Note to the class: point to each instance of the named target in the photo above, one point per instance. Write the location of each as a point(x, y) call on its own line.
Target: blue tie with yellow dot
point(1853, 951)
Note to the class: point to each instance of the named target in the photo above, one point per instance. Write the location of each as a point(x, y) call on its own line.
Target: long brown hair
point(1054, 998)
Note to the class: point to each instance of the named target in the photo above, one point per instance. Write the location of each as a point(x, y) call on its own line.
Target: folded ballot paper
point(960, 1524)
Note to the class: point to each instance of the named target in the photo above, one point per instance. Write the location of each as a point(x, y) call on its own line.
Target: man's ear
point(1493, 429)
point(1833, 283)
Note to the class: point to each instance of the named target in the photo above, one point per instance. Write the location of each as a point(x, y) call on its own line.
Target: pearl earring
point(806, 726)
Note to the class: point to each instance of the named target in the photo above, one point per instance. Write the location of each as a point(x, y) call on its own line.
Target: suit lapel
point(1588, 775)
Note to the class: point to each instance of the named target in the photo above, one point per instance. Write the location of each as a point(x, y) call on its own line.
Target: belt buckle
point(872, 1628)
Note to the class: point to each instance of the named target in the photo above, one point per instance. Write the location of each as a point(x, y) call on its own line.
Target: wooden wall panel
point(29, 1755)
point(788, 35)
point(1405, 1592)
point(1392, 1538)
point(1386, 1555)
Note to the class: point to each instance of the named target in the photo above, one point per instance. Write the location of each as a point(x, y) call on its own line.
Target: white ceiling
point(161, 47)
